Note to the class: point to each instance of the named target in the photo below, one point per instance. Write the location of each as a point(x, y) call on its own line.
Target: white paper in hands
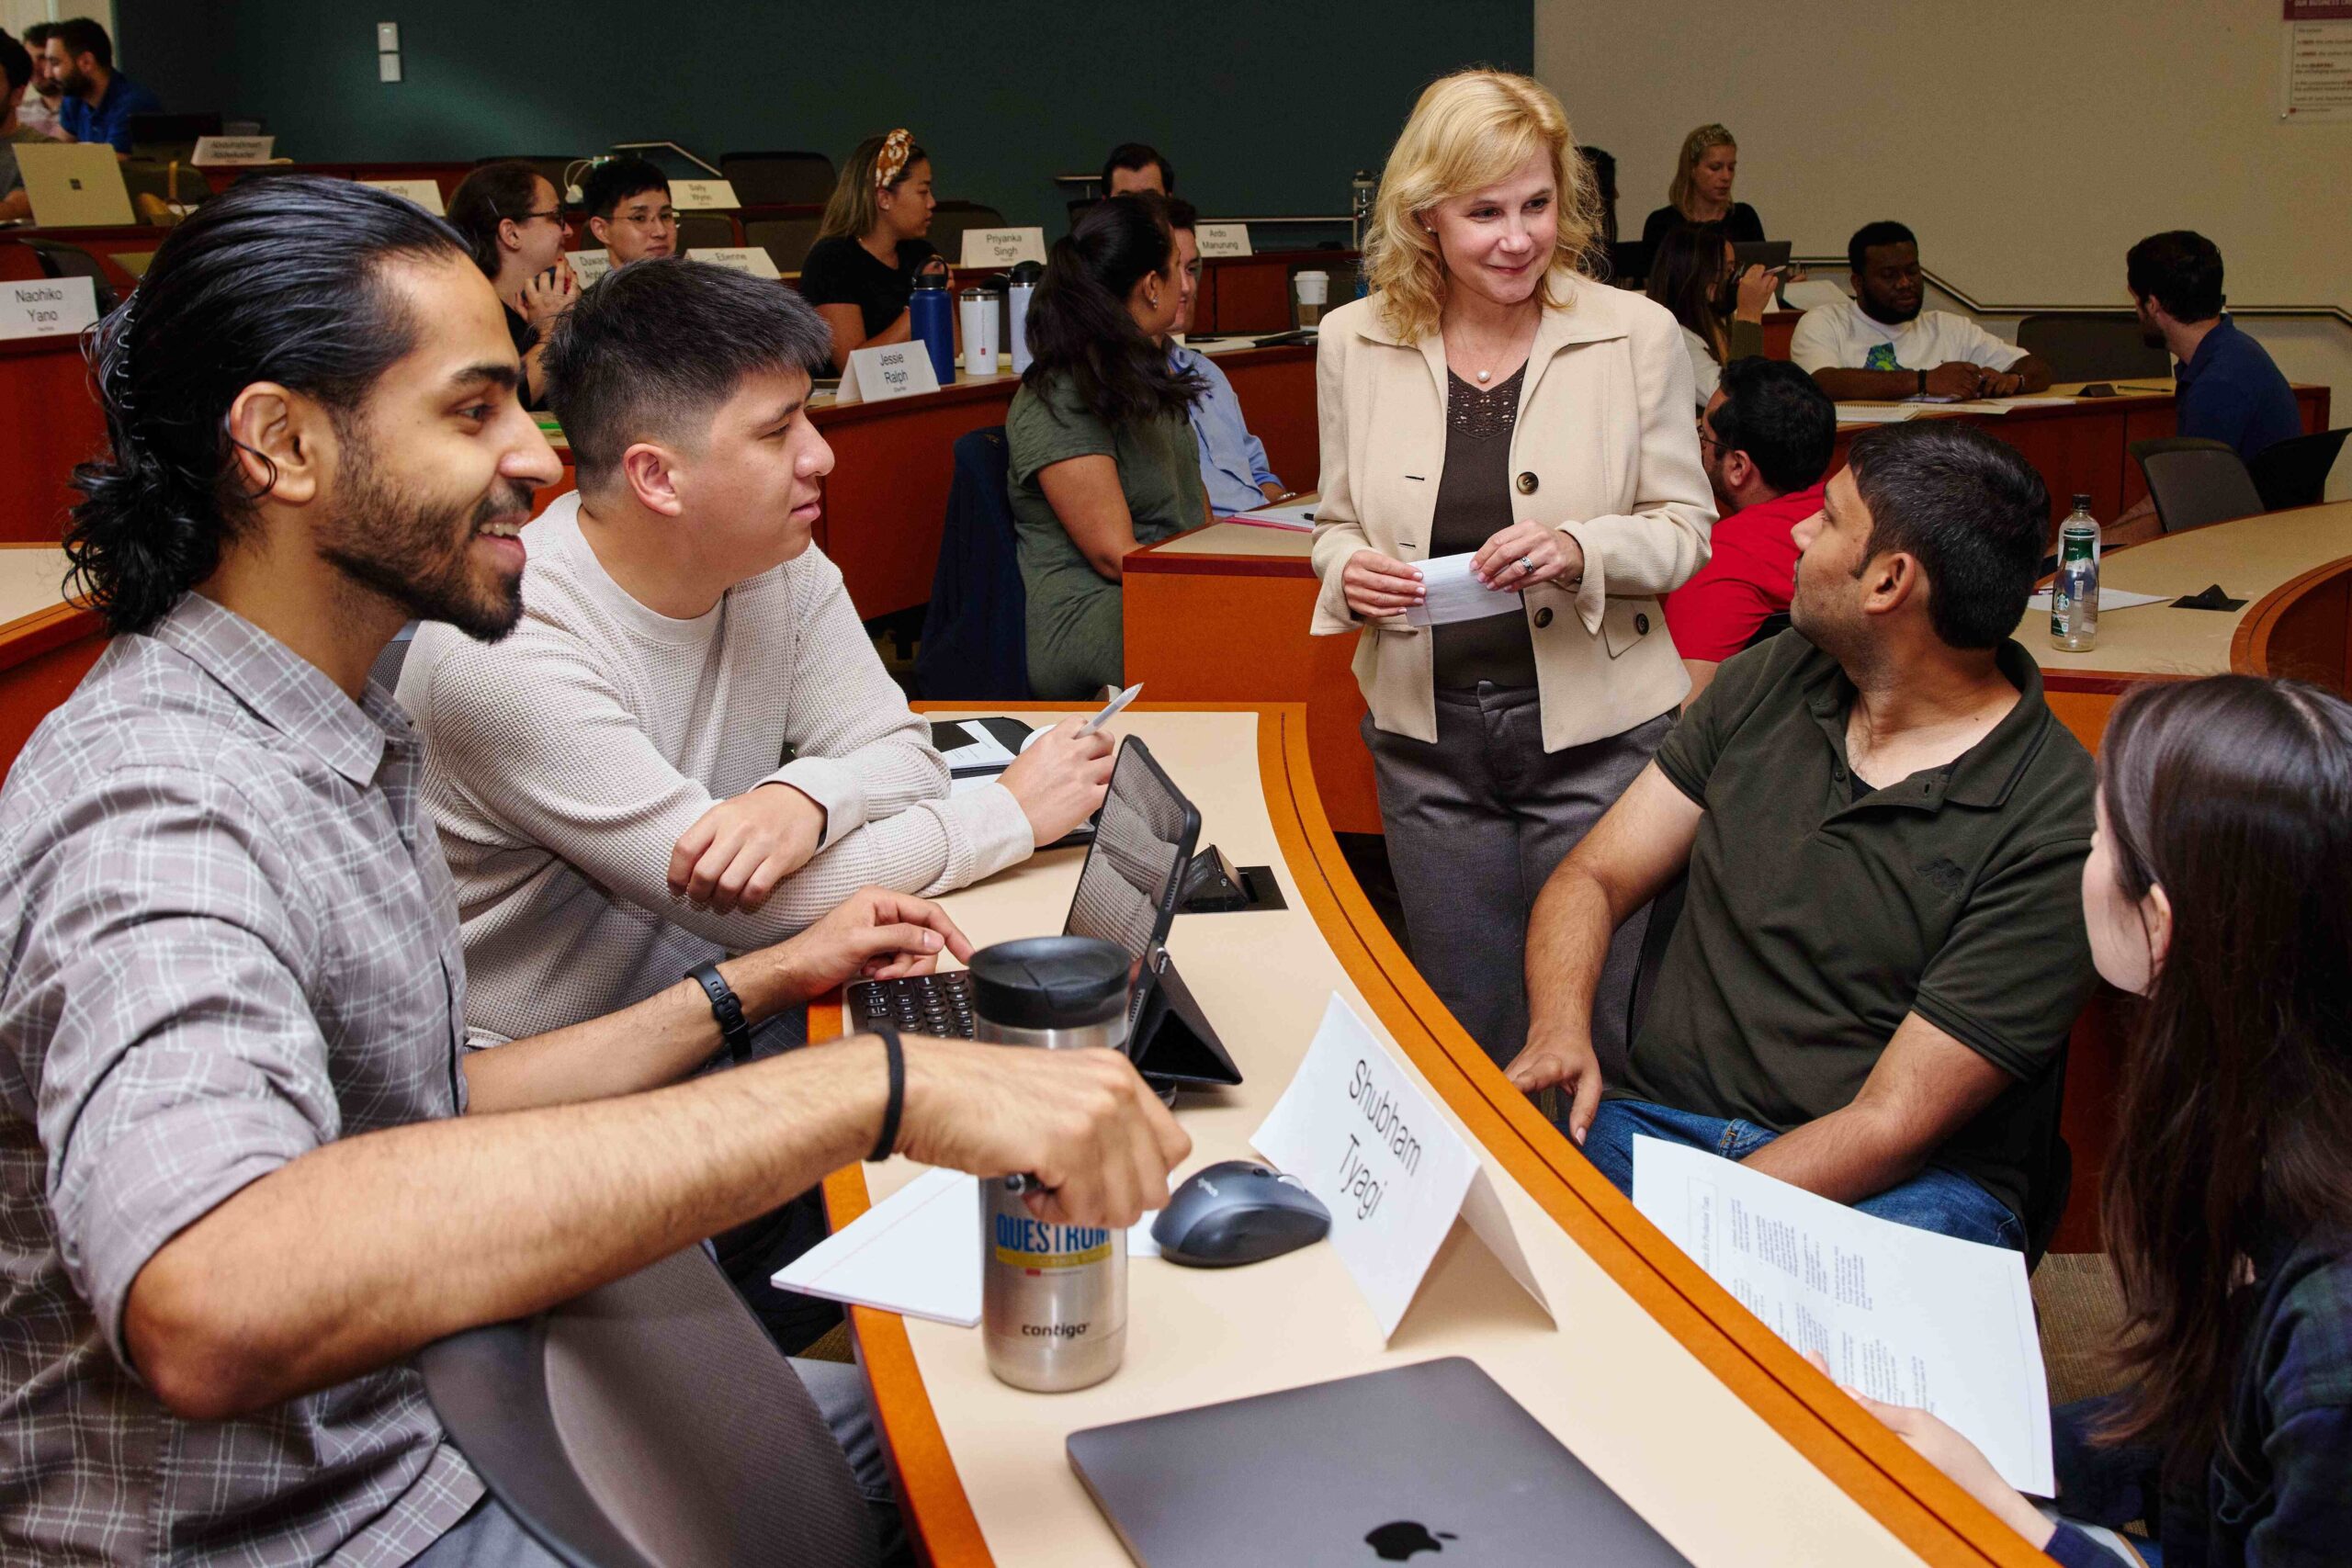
point(1908, 1316)
point(1452, 595)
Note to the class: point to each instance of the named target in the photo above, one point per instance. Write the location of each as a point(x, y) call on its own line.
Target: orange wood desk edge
point(1917, 1502)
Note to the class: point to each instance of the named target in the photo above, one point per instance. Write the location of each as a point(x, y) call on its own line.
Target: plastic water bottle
point(2073, 593)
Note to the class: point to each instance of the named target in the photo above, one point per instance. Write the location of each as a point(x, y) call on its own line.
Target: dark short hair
point(1181, 214)
point(281, 280)
point(39, 33)
point(1774, 413)
point(488, 197)
point(651, 352)
point(1870, 236)
point(15, 62)
point(1137, 155)
point(81, 36)
point(1972, 510)
point(614, 180)
point(2179, 269)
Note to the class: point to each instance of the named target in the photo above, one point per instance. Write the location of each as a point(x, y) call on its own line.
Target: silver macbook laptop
point(76, 186)
point(1432, 1458)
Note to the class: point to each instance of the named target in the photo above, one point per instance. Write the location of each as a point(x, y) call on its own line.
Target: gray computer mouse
point(1237, 1211)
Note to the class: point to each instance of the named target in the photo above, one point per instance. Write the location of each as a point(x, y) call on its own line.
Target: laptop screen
point(1134, 869)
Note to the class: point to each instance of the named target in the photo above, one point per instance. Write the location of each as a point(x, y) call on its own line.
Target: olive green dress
point(1076, 638)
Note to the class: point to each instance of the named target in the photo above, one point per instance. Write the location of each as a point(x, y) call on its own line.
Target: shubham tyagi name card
point(1356, 1129)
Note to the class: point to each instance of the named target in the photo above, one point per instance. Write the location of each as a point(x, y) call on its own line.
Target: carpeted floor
point(2081, 1313)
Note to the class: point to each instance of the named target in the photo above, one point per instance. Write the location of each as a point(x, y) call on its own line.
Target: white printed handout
point(916, 1252)
point(1906, 1315)
point(1297, 517)
point(1452, 594)
point(1392, 1171)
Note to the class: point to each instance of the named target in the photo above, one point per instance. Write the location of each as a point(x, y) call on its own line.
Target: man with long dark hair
point(239, 1187)
point(1880, 954)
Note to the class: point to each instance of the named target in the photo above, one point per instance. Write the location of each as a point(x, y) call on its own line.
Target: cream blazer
point(1605, 450)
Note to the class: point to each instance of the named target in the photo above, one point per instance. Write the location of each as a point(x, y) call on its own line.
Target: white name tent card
point(1223, 239)
point(228, 152)
point(1003, 247)
point(53, 306)
point(589, 265)
point(702, 196)
point(424, 193)
point(876, 375)
point(1906, 1315)
point(1392, 1171)
point(752, 259)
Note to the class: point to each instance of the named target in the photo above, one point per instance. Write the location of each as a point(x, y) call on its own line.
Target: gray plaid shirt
point(230, 938)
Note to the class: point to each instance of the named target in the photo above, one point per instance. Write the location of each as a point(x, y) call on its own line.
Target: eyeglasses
point(554, 212)
point(665, 219)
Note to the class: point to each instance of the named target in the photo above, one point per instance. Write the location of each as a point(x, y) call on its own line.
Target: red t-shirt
point(1751, 574)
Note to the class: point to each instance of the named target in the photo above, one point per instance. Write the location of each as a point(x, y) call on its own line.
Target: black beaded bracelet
point(886, 1145)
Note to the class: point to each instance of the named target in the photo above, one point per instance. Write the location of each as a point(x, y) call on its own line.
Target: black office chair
point(706, 231)
point(2102, 346)
point(2196, 481)
point(779, 179)
point(651, 1424)
point(2294, 472)
point(785, 240)
point(950, 219)
point(60, 260)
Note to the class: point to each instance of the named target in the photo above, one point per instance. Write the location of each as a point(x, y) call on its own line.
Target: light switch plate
point(388, 68)
point(388, 38)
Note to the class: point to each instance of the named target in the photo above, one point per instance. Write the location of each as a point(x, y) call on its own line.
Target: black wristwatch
point(1923, 383)
point(727, 1009)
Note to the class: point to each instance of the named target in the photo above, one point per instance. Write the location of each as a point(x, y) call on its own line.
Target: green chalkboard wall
point(1264, 108)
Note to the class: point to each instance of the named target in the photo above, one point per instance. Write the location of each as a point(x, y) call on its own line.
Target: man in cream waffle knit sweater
point(687, 747)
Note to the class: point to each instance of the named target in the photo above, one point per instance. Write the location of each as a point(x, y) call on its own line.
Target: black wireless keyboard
point(919, 1004)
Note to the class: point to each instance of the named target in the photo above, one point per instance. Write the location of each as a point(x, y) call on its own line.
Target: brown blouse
point(1473, 503)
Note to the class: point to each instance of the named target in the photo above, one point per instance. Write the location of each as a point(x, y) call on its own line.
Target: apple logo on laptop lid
point(1396, 1541)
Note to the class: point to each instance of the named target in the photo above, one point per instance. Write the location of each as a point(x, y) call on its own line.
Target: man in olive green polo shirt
point(1881, 950)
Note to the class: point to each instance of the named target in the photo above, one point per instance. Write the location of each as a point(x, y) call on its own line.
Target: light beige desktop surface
point(1631, 1400)
point(32, 579)
point(2248, 557)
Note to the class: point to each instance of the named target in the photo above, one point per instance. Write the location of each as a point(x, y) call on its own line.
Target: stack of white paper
point(1299, 517)
point(1876, 413)
point(1908, 1316)
point(916, 1252)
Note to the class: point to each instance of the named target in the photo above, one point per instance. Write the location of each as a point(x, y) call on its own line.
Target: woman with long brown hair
point(870, 245)
point(2218, 888)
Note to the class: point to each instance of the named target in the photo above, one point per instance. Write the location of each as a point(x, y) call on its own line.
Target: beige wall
point(2028, 141)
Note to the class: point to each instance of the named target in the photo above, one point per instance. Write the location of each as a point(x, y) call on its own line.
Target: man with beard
point(96, 101)
point(1883, 347)
point(1881, 829)
point(1764, 438)
point(247, 1167)
point(2229, 389)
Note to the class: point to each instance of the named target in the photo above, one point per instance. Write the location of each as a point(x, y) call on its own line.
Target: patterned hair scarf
point(890, 163)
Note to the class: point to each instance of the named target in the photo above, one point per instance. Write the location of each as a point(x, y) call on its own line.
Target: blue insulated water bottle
point(932, 310)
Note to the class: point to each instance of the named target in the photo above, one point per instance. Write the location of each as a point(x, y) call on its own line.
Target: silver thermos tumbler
point(1017, 292)
point(1053, 1297)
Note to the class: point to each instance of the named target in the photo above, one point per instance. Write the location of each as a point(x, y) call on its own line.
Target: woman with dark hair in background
point(1700, 190)
point(1722, 315)
point(2215, 891)
point(1100, 435)
point(861, 272)
point(514, 225)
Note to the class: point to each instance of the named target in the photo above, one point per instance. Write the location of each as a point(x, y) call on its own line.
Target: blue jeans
point(1935, 1200)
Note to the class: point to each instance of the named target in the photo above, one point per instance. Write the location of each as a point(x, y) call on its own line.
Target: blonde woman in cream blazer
point(1486, 399)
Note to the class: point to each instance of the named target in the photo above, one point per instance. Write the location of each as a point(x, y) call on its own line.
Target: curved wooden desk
point(1655, 1376)
point(45, 644)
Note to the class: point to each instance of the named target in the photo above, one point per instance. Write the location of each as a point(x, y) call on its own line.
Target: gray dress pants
point(1476, 824)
